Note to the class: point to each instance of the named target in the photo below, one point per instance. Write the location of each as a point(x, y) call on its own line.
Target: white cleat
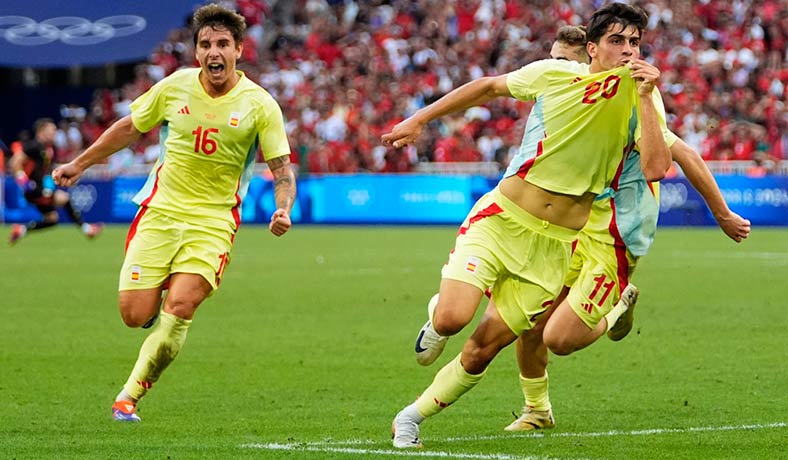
point(405, 432)
point(624, 323)
point(429, 344)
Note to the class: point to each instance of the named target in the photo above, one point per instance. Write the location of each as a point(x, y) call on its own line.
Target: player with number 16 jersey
point(208, 146)
point(213, 119)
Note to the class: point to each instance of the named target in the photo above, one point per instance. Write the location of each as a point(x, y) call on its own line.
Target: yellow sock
point(450, 383)
point(156, 353)
point(536, 392)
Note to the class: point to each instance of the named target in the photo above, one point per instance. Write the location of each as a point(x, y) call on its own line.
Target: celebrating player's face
point(217, 53)
point(616, 48)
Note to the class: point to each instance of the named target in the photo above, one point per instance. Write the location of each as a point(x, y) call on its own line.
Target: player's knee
point(446, 322)
point(61, 198)
point(182, 306)
point(51, 217)
point(132, 317)
point(558, 344)
point(450, 318)
point(475, 359)
point(136, 310)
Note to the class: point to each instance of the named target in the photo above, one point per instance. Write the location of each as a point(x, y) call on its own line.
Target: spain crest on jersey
point(235, 119)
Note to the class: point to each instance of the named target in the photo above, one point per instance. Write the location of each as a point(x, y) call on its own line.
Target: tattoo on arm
point(278, 162)
point(284, 182)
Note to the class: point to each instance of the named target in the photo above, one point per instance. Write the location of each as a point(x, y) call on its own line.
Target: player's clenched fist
point(280, 222)
point(646, 74)
point(67, 174)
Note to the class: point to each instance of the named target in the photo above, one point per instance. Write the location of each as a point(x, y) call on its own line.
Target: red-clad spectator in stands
point(722, 63)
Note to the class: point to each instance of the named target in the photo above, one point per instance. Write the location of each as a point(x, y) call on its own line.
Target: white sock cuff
point(413, 413)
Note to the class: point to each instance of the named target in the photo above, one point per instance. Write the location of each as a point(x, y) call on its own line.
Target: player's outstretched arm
point(284, 194)
point(736, 227)
point(471, 94)
point(116, 137)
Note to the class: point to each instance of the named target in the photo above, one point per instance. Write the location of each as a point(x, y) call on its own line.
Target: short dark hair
point(218, 17)
point(39, 124)
point(571, 35)
point(615, 13)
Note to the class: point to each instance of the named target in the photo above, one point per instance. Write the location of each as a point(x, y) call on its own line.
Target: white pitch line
point(647, 432)
point(341, 442)
point(335, 445)
point(393, 453)
point(545, 434)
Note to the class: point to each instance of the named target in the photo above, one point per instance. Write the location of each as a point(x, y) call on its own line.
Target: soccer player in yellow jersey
point(518, 237)
point(213, 119)
point(620, 231)
point(570, 44)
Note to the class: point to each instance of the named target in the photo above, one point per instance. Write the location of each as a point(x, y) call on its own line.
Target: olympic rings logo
point(71, 30)
point(83, 197)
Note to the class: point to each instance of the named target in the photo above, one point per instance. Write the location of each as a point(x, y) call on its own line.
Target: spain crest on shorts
point(136, 273)
point(471, 264)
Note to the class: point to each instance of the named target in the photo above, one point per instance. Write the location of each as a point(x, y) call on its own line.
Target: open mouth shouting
point(216, 69)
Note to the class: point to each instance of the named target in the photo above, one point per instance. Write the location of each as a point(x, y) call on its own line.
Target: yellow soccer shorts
point(597, 274)
point(523, 258)
point(159, 245)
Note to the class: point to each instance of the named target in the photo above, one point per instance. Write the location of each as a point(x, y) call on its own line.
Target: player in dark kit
point(32, 168)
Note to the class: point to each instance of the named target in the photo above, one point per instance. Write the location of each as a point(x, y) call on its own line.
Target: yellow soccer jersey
point(208, 145)
point(579, 127)
point(626, 214)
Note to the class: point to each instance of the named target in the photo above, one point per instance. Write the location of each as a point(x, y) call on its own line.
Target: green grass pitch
point(306, 352)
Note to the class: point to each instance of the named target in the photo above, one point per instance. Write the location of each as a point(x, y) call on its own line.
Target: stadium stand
point(345, 71)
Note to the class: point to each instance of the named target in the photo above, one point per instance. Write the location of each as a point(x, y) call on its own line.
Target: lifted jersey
point(578, 130)
point(626, 214)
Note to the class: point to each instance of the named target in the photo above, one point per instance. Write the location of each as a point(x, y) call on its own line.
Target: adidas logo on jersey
point(184, 110)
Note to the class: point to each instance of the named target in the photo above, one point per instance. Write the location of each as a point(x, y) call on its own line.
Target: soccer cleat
point(93, 230)
point(125, 411)
point(429, 344)
point(624, 323)
point(17, 232)
point(532, 420)
point(405, 432)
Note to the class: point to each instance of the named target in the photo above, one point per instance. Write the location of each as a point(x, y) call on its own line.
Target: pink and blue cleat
point(125, 411)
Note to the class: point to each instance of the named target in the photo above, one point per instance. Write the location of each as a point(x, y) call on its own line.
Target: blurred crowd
point(346, 71)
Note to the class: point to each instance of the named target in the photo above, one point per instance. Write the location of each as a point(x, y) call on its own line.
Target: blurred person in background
point(31, 167)
point(6, 155)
